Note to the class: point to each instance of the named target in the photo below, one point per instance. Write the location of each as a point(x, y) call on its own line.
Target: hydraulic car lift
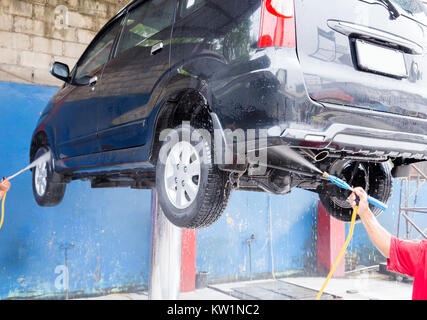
point(173, 257)
point(165, 270)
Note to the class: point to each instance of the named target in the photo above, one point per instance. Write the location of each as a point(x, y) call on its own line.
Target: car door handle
point(156, 48)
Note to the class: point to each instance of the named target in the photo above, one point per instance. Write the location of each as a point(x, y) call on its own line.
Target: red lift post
point(330, 240)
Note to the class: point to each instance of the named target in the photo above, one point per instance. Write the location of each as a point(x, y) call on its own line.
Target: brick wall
point(35, 33)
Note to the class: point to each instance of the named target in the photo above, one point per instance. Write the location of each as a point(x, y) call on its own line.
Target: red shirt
point(410, 258)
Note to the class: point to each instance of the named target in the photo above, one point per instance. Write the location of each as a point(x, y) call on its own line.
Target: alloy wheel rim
point(182, 175)
point(41, 178)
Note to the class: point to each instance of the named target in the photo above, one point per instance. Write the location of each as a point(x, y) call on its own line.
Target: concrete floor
point(366, 285)
point(202, 294)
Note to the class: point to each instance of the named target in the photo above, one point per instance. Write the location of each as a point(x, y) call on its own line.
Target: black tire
point(54, 190)
point(378, 183)
point(213, 192)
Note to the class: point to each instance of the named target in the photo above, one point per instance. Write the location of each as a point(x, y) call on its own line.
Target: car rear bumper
point(389, 138)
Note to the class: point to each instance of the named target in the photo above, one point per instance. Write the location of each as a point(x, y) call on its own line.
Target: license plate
point(378, 59)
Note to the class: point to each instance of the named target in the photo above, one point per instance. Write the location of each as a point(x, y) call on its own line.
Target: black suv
point(197, 98)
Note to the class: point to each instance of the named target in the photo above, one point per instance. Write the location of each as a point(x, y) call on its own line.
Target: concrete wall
point(35, 33)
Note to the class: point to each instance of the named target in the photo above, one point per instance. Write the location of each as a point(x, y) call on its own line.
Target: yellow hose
point(2, 209)
point(347, 241)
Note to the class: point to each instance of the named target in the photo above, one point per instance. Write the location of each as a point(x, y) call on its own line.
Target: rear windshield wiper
point(394, 13)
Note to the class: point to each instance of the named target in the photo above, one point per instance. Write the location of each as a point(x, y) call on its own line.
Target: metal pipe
point(249, 241)
point(421, 210)
point(309, 153)
point(270, 227)
point(407, 191)
point(322, 155)
point(414, 225)
point(400, 209)
point(419, 171)
point(67, 246)
point(165, 269)
point(303, 173)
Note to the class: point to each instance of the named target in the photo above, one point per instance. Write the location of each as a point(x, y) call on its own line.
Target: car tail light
point(277, 24)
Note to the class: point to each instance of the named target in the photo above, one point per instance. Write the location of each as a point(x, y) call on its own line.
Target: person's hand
point(4, 186)
point(363, 202)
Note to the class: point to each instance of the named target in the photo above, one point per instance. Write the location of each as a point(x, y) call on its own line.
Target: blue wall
point(110, 229)
point(222, 249)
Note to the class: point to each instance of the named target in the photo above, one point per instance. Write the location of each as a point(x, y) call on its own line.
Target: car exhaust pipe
point(322, 155)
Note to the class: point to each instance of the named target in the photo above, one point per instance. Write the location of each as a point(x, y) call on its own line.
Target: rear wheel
point(375, 178)
point(192, 191)
point(48, 189)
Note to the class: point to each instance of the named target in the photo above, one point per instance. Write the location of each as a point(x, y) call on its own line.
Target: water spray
point(292, 155)
point(44, 158)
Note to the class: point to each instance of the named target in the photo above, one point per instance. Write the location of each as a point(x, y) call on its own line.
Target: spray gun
point(344, 185)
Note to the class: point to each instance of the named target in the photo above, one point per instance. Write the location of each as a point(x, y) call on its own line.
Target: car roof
point(126, 6)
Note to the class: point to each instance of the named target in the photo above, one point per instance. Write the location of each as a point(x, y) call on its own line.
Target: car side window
point(188, 6)
point(97, 54)
point(144, 21)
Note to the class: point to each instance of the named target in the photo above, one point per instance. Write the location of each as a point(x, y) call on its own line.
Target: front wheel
point(48, 189)
point(192, 191)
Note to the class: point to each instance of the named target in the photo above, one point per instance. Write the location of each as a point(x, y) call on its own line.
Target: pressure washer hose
point(350, 234)
point(2, 209)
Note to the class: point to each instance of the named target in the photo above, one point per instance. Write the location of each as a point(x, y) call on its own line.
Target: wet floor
point(276, 290)
point(366, 285)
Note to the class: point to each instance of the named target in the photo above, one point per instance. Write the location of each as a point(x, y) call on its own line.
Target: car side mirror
point(61, 71)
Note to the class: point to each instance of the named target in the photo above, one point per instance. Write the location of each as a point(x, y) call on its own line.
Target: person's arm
point(379, 236)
